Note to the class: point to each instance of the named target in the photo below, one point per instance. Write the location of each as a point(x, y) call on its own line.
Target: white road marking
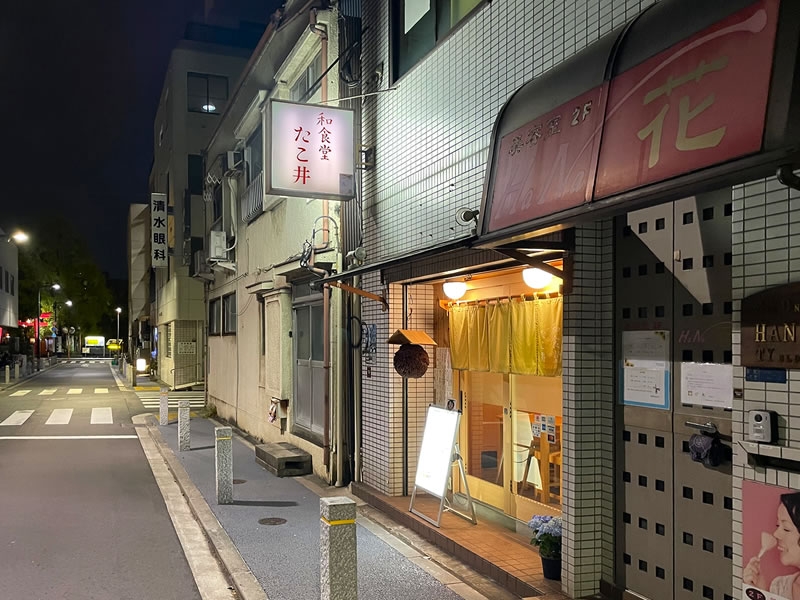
point(100, 390)
point(49, 392)
point(68, 437)
point(21, 393)
point(59, 416)
point(101, 416)
point(75, 391)
point(18, 417)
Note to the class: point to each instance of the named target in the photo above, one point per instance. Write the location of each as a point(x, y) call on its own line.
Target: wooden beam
point(359, 292)
point(531, 261)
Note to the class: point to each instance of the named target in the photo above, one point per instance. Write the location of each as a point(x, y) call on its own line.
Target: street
point(81, 516)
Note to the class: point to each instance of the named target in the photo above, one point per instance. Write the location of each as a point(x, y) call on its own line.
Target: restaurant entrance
point(499, 344)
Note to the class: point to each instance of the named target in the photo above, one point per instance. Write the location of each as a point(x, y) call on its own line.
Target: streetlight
point(119, 310)
point(53, 286)
point(19, 236)
point(67, 303)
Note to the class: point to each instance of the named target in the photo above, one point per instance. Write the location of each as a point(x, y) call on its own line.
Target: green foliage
point(57, 254)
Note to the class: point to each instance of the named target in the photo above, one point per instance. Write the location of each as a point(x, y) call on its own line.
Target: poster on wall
point(644, 373)
point(707, 384)
point(770, 541)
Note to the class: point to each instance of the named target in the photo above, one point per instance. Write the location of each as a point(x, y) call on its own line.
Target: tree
point(58, 254)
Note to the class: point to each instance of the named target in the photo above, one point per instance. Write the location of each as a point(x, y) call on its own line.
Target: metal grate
point(252, 199)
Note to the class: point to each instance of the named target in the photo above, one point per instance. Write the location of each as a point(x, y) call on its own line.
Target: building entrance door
point(674, 515)
point(309, 371)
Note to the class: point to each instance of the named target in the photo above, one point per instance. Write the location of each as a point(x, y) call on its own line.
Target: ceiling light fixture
point(536, 278)
point(209, 107)
point(454, 289)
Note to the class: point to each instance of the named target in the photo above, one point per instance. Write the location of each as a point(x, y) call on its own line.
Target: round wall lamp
point(536, 278)
point(454, 289)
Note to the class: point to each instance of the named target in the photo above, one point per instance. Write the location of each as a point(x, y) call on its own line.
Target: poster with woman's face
point(770, 542)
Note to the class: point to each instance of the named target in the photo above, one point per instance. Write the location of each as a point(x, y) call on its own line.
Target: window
point(8, 285)
point(206, 93)
point(12, 285)
point(418, 25)
point(229, 314)
point(307, 78)
point(214, 317)
point(254, 156)
point(196, 174)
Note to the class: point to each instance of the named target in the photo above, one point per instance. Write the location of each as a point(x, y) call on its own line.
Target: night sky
point(81, 83)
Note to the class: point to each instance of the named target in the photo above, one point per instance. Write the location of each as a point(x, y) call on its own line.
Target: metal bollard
point(8, 374)
point(337, 549)
point(163, 407)
point(183, 426)
point(223, 457)
point(16, 371)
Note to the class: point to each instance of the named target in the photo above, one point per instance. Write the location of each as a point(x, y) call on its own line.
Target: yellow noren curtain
point(499, 337)
point(524, 357)
point(548, 333)
point(459, 337)
point(478, 338)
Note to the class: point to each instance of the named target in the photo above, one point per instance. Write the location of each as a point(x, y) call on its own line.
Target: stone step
point(283, 460)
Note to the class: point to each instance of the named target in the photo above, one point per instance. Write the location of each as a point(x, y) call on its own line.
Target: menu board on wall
point(436, 453)
point(645, 368)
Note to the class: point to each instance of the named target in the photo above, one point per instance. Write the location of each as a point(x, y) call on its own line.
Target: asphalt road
point(81, 516)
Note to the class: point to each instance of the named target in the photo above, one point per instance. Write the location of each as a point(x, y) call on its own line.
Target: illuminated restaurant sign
point(311, 151)
point(699, 103)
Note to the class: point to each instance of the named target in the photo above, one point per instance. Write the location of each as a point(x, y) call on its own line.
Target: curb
point(243, 580)
point(33, 375)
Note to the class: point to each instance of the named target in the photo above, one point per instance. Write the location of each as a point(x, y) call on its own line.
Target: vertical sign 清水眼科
point(312, 152)
point(158, 230)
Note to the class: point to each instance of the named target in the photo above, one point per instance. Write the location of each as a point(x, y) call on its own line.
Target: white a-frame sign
point(436, 457)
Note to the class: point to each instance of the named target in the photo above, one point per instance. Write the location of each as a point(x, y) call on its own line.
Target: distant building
point(203, 69)
point(9, 297)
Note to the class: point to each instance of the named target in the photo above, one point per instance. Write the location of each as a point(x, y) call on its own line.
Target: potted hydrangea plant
point(547, 537)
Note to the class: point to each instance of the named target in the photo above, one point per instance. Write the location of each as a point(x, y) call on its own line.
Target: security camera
point(466, 216)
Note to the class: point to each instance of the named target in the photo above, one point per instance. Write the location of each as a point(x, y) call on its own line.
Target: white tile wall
point(431, 137)
point(766, 252)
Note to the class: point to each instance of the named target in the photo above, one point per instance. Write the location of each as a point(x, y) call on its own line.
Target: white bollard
point(183, 426)
point(163, 407)
point(223, 458)
point(16, 371)
point(337, 549)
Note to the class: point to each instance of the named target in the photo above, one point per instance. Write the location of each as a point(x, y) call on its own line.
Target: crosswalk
point(151, 399)
point(60, 416)
point(70, 391)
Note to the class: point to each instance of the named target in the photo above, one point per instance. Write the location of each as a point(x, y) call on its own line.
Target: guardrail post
point(223, 457)
point(183, 426)
point(337, 549)
point(163, 407)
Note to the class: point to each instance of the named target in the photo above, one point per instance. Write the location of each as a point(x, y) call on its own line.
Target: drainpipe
point(356, 362)
point(340, 390)
point(321, 31)
point(326, 365)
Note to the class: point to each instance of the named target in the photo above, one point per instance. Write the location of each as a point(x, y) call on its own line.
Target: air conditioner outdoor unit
point(200, 267)
point(233, 159)
point(217, 243)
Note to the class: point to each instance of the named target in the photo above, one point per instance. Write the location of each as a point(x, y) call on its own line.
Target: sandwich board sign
point(436, 457)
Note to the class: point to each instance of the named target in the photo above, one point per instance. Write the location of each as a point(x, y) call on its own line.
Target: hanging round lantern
point(411, 361)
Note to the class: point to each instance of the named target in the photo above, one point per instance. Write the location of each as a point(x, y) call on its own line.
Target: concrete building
point(586, 272)
point(202, 72)
point(269, 370)
point(9, 296)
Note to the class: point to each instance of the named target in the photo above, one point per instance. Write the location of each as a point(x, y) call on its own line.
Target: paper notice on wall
point(645, 368)
point(646, 349)
point(645, 387)
point(414, 11)
point(707, 384)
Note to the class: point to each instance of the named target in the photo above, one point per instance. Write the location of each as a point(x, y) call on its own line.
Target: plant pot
point(551, 568)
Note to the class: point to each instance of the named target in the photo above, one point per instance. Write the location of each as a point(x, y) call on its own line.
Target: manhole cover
point(237, 481)
point(272, 521)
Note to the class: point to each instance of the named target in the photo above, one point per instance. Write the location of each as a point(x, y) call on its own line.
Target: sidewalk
point(23, 377)
point(285, 558)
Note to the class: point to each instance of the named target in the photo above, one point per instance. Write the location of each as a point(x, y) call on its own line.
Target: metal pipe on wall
point(326, 367)
point(405, 400)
